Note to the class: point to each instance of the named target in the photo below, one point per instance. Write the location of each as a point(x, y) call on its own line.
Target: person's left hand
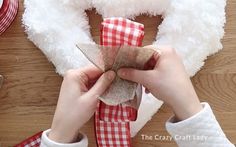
point(77, 101)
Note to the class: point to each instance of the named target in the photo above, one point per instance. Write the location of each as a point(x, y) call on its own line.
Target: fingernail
point(121, 73)
point(111, 75)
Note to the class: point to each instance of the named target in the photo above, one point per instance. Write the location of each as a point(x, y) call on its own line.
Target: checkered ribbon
point(33, 141)
point(112, 122)
point(8, 12)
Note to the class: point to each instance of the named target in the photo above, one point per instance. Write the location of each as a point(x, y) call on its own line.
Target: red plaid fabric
point(8, 12)
point(118, 113)
point(33, 141)
point(120, 31)
point(112, 122)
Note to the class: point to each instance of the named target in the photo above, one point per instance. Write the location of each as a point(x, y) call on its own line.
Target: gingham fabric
point(8, 12)
point(33, 141)
point(112, 122)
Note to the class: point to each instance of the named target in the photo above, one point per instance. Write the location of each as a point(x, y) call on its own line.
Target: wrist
point(187, 111)
point(64, 136)
point(184, 108)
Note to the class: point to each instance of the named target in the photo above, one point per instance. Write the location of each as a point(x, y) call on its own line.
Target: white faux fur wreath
point(193, 27)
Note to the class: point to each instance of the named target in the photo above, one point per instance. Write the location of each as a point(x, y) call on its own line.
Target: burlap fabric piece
point(112, 58)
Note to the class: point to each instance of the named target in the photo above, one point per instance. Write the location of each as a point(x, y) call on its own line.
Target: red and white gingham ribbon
point(8, 12)
point(33, 141)
point(112, 122)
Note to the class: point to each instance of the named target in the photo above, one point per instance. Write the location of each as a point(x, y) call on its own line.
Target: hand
point(169, 82)
point(77, 102)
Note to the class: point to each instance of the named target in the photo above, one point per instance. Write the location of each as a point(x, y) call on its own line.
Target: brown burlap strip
point(113, 58)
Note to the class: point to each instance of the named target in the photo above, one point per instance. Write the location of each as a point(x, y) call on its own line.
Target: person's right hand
point(169, 82)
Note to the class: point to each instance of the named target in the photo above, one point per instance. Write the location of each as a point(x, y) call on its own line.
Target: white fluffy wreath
point(193, 27)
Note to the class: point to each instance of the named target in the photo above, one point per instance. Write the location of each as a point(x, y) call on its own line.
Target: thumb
point(134, 75)
point(102, 84)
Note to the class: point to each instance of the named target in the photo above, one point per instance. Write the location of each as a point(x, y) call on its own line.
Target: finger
point(134, 75)
point(92, 72)
point(84, 75)
point(102, 84)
